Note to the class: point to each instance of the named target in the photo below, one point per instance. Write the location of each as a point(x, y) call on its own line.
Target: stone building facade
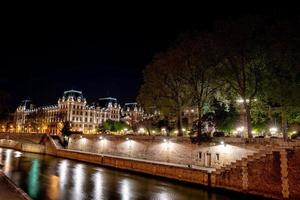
point(72, 107)
point(132, 113)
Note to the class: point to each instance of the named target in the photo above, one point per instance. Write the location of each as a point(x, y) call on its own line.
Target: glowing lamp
point(273, 129)
point(240, 129)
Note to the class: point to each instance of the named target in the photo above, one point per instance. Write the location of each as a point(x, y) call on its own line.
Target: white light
point(222, 142)
point(127, 139)
point(165, 140)
point(273, 129)
point(240, 100)
point(240, 129)
point(183, 129)
point(141, 130)
point(18, 154)
point(176, 131)
point(101, 137)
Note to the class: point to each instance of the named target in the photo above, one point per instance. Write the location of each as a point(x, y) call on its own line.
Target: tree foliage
point(112, 126)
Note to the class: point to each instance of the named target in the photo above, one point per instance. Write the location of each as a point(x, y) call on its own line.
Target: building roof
point(103, 102)
point(73, 93)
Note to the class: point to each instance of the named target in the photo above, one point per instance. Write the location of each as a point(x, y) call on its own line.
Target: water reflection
point(125, 189)
point(98, 186)
point(33, 179)
point(63, 173)
point(162, 196)
point(7, 162)
point(18, 154)
point(78, 182)
point(45, 177)
point(54, 188)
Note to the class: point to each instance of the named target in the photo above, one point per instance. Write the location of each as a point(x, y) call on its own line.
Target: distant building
point(72, 107)
point(132, 113)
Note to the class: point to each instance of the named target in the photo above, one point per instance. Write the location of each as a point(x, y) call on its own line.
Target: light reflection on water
point(49, 178)
point(125, 190)
point(98, 186)
point(78, 182)
point(33, 179)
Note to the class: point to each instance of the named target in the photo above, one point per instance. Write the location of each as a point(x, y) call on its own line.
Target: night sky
point(100, 54)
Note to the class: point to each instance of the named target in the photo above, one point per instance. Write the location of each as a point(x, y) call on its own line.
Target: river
point(45, 177)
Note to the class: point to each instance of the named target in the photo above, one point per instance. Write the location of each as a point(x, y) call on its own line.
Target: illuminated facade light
point(141, 130)
point(240, 129)
point(273, 130)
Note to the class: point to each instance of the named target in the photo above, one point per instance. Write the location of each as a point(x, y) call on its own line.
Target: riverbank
point(50, 177)
point(272, 171)
point(9, 191)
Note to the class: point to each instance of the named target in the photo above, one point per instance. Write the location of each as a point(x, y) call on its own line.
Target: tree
point(225, 116)
point(66, 131)
point(113, 126)
point(242, 61)
point(165, 87)
point(282, 82)
point(200, 59)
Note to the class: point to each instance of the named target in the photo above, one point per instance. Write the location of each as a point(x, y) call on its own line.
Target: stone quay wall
point(273, 174)
point(176, 150)
point(22, 142)
point(176, 172)
point(273, 171)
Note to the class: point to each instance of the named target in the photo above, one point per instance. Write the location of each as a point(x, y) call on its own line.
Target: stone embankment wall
point(273, 171)
point(274, 174)
point(172, 150)
point(178, 172)
point(22, 142)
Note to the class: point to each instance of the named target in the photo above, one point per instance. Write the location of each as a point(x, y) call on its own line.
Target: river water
point(45, 177)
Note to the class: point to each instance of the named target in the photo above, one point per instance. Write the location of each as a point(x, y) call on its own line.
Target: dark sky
point(100, 54)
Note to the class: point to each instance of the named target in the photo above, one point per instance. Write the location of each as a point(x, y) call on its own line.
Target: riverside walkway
point(9, 191)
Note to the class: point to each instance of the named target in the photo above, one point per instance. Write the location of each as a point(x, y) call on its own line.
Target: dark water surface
point(45, 177)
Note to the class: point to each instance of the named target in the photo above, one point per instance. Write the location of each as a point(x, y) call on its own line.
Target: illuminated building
point(132, 113)
point(72, 107)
